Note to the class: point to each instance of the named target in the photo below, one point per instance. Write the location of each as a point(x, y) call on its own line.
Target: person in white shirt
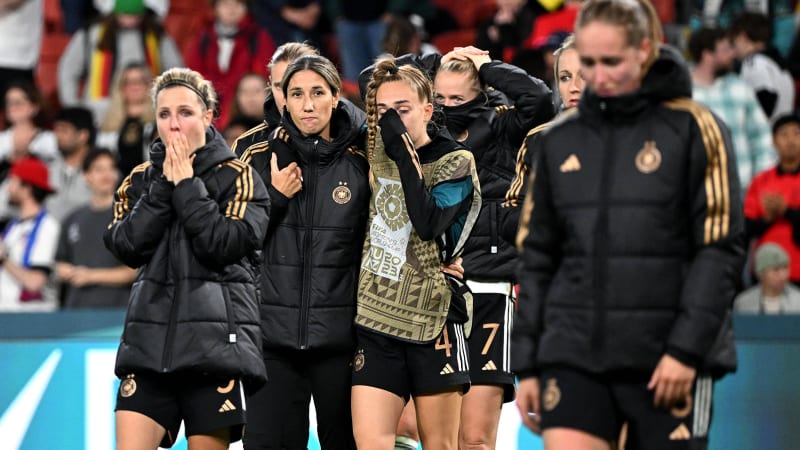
point(774, 294)
point(28, 245)
point(763, 68)
point(21, 30)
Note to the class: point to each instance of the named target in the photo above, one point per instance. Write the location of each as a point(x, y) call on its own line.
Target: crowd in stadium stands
point(74, 91)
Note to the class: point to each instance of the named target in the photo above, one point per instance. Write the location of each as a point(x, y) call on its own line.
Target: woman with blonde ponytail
point(409, 320)
point(631, 249)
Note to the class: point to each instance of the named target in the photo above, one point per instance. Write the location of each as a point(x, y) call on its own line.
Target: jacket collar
point(346, 126)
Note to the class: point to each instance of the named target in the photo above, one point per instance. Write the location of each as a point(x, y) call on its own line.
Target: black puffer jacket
point(313, 247)
point(194, 304)
point(634, 243)
point(494, 134)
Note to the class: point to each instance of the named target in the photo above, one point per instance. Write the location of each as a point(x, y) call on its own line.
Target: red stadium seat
point(53, 17)
point(469, 13)
point(458, 38)
point(53, 45)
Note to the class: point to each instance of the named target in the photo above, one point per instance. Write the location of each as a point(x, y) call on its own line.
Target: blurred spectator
point(718, 87)
point(772, 203)
point(251, 91)
point(762, 67)
point(722, 13)
point(773, 294)
point(129, 124)
point(228, 49)
point(95, 54)
point(360, 27)
point(547, 49)
point(794, 58)
point(77, 14)
point(28, 244)
point(92, 276)
point(21, 28)
point(75, 133)
point(562, 20)
point(159, 7)
point(237, 126)
point(403, 37)
point(25, 121)
point(506, 30)
point(289, 20)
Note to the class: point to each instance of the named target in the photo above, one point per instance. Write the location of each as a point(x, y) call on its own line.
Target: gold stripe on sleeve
point(512, 196)
point(122, 205)
point(717, 184)
point(525, 216)
point(244, 189)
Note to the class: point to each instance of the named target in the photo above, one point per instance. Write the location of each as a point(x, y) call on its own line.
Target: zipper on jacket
point(304, 299)
point(494, 237)
point(226, 295)
point(166, 360)
point(601, 243)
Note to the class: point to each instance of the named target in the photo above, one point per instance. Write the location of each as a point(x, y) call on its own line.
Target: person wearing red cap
point(28, 245)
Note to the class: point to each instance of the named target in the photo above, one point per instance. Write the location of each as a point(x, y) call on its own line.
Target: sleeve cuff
point(277, 198)
point(683, 357)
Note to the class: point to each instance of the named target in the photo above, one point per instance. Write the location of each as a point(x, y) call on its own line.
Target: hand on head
point(471, 53)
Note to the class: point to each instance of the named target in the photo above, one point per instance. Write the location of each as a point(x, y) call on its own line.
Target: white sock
point(405, 443)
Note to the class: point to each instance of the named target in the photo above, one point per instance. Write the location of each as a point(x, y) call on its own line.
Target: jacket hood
point(272, 116)
point(214, 152)
point(668, 78)
point(347, 123)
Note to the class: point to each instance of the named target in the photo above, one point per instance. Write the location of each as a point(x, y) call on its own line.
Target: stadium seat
point(53, 17)
point(468, 14)
point(458, 38)
point(53, 45)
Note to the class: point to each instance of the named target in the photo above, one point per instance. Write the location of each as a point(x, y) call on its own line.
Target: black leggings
point(277, 414)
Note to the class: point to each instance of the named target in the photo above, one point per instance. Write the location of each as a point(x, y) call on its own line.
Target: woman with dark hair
point(632, 249)
point(191, 219)
point(317, 176)
point(26, 130)
point(131, 33)
point(275, 101)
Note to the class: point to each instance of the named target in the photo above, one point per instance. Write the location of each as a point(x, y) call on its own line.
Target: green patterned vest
point(401, 290)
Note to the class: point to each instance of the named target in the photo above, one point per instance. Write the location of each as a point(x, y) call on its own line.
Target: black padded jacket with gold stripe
point(194, 303)
point(634, 229)
point(312, 253)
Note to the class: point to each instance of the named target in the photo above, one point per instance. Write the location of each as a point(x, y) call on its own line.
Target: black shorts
point(600, 404)
point(490, 339)
point(410, 369)
point(203, 403)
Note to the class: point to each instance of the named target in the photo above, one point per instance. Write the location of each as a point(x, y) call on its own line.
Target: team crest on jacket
point(552, 395)
point(127, 387)
point(341, 193)
point(648, 159)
